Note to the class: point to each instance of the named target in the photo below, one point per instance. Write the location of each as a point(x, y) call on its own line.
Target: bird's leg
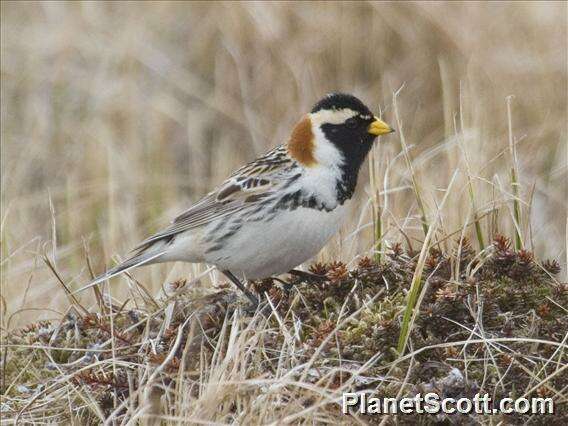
point(307, 275)
point(241, 287)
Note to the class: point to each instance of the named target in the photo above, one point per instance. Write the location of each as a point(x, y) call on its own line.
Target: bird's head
point(339, 130)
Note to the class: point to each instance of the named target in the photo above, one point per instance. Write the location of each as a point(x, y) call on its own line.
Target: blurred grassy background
point(115, 116)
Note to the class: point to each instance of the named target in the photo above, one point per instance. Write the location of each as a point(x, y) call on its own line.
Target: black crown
point(340, 101)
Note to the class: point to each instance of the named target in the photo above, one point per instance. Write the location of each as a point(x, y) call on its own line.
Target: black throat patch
point(354, 147)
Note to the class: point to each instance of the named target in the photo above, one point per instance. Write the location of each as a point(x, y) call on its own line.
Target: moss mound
point(491, 323)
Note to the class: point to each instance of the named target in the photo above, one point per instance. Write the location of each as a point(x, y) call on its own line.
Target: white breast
point(262, 249)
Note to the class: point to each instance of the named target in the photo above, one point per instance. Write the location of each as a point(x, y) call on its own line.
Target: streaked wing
point(244, 188)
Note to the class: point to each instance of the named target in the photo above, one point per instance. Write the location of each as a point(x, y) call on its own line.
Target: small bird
point(278, 211)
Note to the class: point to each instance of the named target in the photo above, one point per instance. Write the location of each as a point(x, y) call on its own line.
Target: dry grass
point(115, 116)
point(194, 357)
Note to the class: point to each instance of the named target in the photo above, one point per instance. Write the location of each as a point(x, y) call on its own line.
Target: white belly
point(262, 249)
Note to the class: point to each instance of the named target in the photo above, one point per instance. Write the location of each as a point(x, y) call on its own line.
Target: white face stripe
point(332, 116)
point(325, 153)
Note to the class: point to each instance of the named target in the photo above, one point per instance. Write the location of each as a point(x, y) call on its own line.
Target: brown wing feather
point(247, 186)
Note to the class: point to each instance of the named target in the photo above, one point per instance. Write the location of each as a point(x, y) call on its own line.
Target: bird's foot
point(308, 276)
point(251, 297)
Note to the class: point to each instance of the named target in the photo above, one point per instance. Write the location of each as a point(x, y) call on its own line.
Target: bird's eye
point(352, 123)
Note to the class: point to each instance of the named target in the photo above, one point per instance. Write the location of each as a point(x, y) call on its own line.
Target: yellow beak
point(379, 127)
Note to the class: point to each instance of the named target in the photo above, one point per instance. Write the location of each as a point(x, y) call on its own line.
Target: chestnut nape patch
point(301, 144)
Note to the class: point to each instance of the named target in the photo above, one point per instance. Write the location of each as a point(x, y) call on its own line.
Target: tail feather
point(135, 261)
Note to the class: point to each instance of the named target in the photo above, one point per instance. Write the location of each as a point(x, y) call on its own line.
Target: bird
point(278, 211)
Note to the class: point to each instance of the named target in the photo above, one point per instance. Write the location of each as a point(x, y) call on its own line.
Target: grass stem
point(411, 310)
point(514, 178)
point(408, 160)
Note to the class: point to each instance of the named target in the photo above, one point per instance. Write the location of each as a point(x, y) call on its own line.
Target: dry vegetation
point(115, 116)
